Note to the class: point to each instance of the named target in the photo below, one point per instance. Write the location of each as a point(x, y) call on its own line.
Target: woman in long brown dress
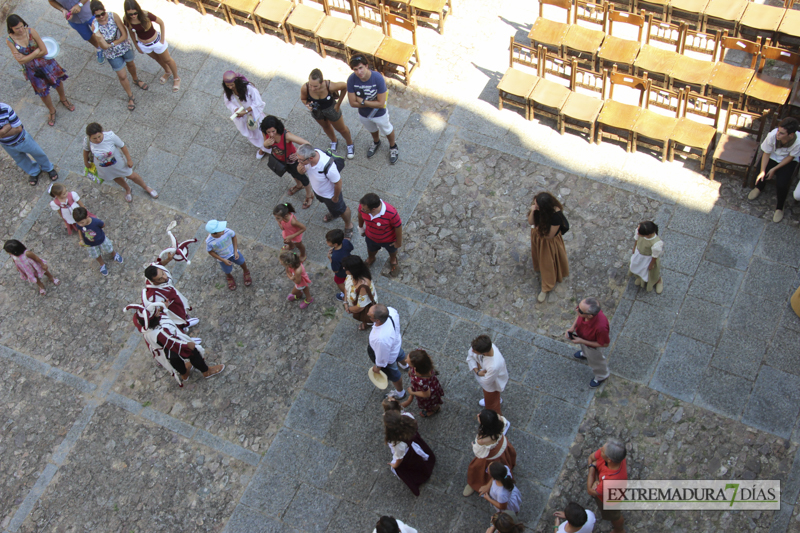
point(412, 458)
point(490, 445)
point(548, 224)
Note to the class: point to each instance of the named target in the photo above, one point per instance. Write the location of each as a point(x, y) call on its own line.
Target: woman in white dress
point(645, 261)
point(243, 100)
point(112, 158)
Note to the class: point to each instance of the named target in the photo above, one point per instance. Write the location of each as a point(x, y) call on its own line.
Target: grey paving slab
point(641, 324)
point(749, 310)
point(555, 420)
point(311, 414)
point(507, 329)
point(740, 353)
point(282, 95)
point(176, 136)
point(270, 491)
point(781, 519)
point(678, 372)
point(716, 283)
point(536, 458)
point(555, 375)
point(197, 163)
point(213, 132)
point(247, 520)
point(633, 359)
point(363, 426)
point(675, 287)
point(428, 329)
point(307, 459)
point(518, 355)
point(701, 320)
point(460, 337)
point(180, 192)
point(352, 478)
point(684, 252)
point(791, 488)
point(340, 381)
point(448, 465)
point(405, 308)
point(734, 239)
point(435, 511)
point(350, 516)
point(518, 401)
point(774, 403)
point(723, 393)
point(789, 319)
point(454, 309)
point(769, 280)
point(250, 218)
point(311, 509)
point(156, 166)
point(782, 352)
point(780, 243)
point(218, 197)
point(472, 519)
point(187, 107)
point(390, 496)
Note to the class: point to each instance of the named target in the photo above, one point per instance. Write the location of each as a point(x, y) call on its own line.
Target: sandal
point(348, 233)
point(131, 103)
point(362, 327)
point(53, 175)
point(394, 270)
point(328, 217)
point(295, 189)
point(66, 103)
point(308, 202)
point(231, 283)
point(33, 180)
point(42, 292)
point(56, 282)
point(140, 84)
point(247, 279)
point(164, 77)
point(52, 120)
point(176, 85)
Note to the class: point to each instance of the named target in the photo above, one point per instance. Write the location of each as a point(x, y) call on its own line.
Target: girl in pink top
point(296, 272)
point(291, 229)
point(30, 266)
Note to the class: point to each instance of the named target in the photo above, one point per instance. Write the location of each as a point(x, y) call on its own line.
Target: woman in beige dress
point(548, 224)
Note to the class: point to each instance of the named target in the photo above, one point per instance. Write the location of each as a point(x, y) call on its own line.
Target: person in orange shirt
point(606, 464)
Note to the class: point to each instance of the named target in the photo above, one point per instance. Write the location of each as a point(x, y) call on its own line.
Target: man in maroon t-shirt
point(590, 329)
point(607, 464)
point(381, 226)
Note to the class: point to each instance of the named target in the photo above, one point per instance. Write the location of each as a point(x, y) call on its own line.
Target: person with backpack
point(65, 201)
point(322, 170)
point(548, 224)
point(381, 226)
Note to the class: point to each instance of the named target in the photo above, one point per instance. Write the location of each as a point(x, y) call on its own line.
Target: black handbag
point(275, 164)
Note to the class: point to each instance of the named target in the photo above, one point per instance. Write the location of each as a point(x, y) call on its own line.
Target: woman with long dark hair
point(151, 41)
point(548, 224)
point(244, 101)
point(412, 458)
point(490, 445)
point(359, 291)
point(29, 51)
point(280, 143)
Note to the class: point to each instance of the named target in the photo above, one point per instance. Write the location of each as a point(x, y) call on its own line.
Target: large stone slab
point(678, 373)
point(555, 375)
point(716, 283)
point(734, 239)
point(775, 402)
point(740, 353)
point(769, 280)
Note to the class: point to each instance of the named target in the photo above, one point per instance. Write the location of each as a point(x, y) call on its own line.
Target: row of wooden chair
point(666, 120)
point(367, 31)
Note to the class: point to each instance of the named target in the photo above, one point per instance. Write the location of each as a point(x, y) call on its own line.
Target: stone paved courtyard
point(94, 437)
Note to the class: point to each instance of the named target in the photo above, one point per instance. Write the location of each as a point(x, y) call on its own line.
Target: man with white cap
point(222, 245)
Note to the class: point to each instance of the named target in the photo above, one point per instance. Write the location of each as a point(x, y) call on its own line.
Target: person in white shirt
point(385, 346)
point(326, 182)
point(388, 524)
point(577, 519)
point(489, 367)
point(781, 150)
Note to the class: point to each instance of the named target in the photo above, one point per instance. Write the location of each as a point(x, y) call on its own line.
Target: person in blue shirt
point(340, 248)
point(222, 245)
point(367, 92)
point(91, 235)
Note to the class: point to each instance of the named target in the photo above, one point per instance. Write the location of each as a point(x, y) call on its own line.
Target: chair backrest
point(635, 83)
point(623, 17)
point(665, 32)
point(667, 101)
point(563, 4)
point(526, 56)
point(554, 66)
point(745, 121)
point(588, 80)
point(408, 24)
point(708, 108)
point(313, 3)
point(369, 15)
point(735, 43)
point(789, 4)
point(340, 6)
point(704, 43)
point(779, 54)
point(591, 12)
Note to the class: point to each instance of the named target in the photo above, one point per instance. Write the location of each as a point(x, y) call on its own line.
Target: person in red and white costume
point(159, 288)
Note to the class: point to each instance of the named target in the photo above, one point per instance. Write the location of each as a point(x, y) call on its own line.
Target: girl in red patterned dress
point(424, 384)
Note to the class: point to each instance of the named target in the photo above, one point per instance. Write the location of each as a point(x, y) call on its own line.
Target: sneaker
point(192, 322)
point(394, 154)
point(373, 149)
point(594, 383)
point(579, 355)
point(213, 371)
point(100, 56)
point(482, 402)
point(118, 258)
point(305, 303)
point(402, 366)
point(340, 296)
point(104, 270)
point(334, 146)
point(753, 194)
point(260, 154)
point(351, 151)
point(395, 394)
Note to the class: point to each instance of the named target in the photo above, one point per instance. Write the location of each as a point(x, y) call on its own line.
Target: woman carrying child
point(412, 458)
point(424, 384)
point(646, 258)
point(30, 266)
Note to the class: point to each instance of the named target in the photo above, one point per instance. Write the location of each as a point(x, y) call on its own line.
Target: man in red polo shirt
point(607, 464)
point(382, 228)
point(590, 329)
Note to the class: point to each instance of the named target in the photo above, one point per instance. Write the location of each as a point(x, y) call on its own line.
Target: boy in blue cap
point(222, 245)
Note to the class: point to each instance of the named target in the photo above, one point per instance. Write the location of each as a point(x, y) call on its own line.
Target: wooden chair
point(549, 96)
point(789, 30)
point(688, 11)
point(516, 85)
point(724, 14)
point(761, 20)
point(654, 129)
point(433, 12)
point(701, 44)
point(692, 131)
point(616, 51)
point(213, 7)
point(242, 10)
point(334, 31)
point(657, 7)
point(770, 90)
point(618, 115)
point(550, 33)
point(582, 42)
point(736, 154)
point(368, 35)
point(395, 54)
point(729, 80)
point(304, 22)
point(272, 15)
point(580, 109)
point(658, 61)
point(667, 34)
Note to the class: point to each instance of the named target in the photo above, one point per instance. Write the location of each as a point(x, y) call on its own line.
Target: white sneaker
point(260, 154)
point(482, 402)
point(402, 365)
point(192, 322)
point(351, 151)
point(334, 146)
point(395, 394)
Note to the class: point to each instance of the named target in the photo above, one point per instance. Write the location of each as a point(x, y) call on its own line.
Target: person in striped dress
point(381, 226)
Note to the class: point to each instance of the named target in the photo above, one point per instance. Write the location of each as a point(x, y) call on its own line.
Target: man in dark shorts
point(381, 226)
point(326, 183)
point(607, 464)
point(79, 16)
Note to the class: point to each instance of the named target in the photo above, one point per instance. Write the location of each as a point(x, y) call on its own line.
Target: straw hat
point(379, 379)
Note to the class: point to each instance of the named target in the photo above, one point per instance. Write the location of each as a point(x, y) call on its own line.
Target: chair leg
point(713, 169)
point(664, 151)
point(599, 134)
point(561, 124)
